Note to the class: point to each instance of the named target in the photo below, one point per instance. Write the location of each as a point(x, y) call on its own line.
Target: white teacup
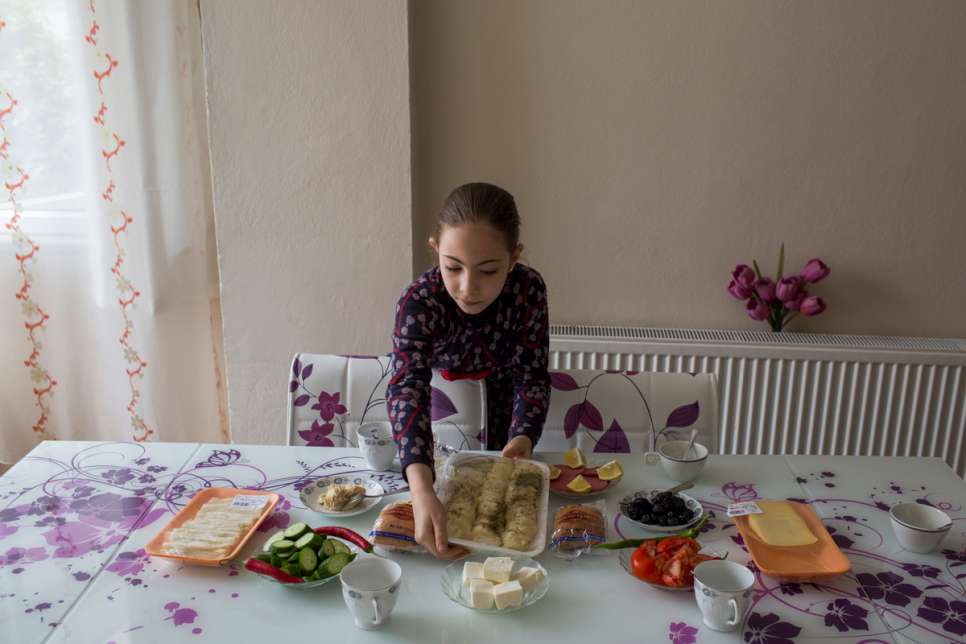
point(377, 445)
point(723, 592)
point(679, 464)
point(370, 587)
point(919, 528)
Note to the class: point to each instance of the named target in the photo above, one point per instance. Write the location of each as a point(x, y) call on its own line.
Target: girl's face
point(475, 262)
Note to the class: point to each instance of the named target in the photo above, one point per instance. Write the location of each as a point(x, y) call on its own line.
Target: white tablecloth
point(74, 519)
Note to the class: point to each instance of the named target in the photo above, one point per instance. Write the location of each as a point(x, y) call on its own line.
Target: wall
point(309, 124)
point(653, 145)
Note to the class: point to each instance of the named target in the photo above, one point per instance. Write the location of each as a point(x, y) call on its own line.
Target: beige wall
point(310, 150)
point(653, 145)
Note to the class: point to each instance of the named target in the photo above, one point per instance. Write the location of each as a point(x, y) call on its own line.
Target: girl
point(478, 314)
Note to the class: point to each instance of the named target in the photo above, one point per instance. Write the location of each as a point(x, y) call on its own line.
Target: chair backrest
point(614, 411)
point(331, 396)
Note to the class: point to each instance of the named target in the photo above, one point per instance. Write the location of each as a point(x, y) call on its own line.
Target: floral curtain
point(108, 278)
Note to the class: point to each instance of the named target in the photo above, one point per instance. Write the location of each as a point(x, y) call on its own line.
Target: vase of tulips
point(778, 300)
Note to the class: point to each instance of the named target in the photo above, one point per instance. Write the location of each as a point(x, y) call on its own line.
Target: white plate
point(692, 504)
point(311, 492)
point(625, 559)
point(452, 583)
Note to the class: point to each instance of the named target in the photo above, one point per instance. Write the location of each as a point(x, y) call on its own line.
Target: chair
point(331, 396)
point(615, 411)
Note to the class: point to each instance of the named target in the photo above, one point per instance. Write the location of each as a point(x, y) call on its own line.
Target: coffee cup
point(722, 590)
point(377, 445)
point(370, 587)
point(679, 463)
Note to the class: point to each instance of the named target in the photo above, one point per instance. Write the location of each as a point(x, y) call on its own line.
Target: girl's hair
point(482, 203)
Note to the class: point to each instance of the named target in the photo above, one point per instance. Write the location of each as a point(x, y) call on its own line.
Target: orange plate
point(189, 511)
point(821, 560)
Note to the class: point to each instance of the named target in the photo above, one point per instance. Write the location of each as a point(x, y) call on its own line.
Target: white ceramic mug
point(723, 592)
point(370, 587)
point(679, 464)
point(377, 445)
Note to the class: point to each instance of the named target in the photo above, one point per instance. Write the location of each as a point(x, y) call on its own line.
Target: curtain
point(108, 274)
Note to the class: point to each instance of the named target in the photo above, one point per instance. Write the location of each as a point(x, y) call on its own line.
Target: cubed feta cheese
point(508, 594)
point(472, 570)
point(529, 578)
point(498, 569)
point(481, 593)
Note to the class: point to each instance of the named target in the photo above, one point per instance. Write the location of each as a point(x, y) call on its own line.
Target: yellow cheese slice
point(780, 525)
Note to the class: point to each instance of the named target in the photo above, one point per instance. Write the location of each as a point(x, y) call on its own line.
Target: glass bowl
point(451, 582)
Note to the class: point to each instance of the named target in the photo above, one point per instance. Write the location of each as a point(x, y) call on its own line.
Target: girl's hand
point(518, 447)
point(429, 515)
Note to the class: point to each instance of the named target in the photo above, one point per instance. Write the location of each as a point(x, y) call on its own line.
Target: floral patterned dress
point(507, 344)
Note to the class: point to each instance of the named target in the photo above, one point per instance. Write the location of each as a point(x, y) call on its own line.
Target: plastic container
point(189, 512)
point(820, 560)
point(539, 541)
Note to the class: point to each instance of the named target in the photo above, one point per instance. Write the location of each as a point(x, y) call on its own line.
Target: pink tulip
point(788, 288)
point(765, 287)
point(740, 292)
point(795, 304)
point(812, 305)
point(756, 309)
point(815, 270)
point(744, 275)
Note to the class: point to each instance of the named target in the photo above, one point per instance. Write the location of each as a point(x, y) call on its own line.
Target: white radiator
point(802, 393)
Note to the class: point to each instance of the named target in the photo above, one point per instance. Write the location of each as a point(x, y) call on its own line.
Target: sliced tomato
point(644, 566)
point(676, 543)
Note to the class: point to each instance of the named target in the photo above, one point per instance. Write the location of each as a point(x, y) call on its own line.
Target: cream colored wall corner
point(309, 122)
point(652, 145)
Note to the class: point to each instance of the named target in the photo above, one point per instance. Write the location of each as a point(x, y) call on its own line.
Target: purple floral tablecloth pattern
point(75, 517)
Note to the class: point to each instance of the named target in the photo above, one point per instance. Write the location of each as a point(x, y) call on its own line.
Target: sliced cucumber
point(264, 556)
point(282, 545)
point(296, 530)
point(317, 540)
point(327, 548)
point(335, 563)
point(338, 547)
point(292, 569)
point(305, 541)
point(276, 561)
point(308, 561)
point(278, 536)
point(294, 557)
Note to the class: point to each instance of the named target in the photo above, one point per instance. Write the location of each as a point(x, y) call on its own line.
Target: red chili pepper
point(346, 534)
point(264, 568)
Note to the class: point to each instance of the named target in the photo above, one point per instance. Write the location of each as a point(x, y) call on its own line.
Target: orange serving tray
point(189, 511)
point(820, 560)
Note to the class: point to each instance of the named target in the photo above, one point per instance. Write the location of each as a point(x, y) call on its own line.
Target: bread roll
point(395, 527)
point(577, 527)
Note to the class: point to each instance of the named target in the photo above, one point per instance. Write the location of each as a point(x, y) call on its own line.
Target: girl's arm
point(531, 379)
point(408, 397)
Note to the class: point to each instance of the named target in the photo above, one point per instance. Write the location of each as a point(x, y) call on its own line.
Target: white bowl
point(919, 528)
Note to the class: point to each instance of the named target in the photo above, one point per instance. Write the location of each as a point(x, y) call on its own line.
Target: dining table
point(75, 518)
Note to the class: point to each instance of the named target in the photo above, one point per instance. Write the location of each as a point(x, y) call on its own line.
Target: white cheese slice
point(472, 570)
point(498, 569)
point(508, 594)
point(529, 577)
point(481, 593)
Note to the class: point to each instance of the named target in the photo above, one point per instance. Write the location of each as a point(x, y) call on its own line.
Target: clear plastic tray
point(539, 540)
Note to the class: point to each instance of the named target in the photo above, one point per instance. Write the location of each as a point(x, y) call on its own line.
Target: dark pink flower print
point(129, 563)
point(74, 538)
point(921, 570)
point(681, 633)
point(887, 585)
point(118, 476)
point(738, 492)
point(840, 540)
point(951, 614)
point(953, 555)
point(6, 530)
point(791, 588)
point(328, 405)
point(769, 629)
point(318, 436)
point(180, 615)
point(844, 615)
point(110, 507)
point(279, 517)
point(22, 556)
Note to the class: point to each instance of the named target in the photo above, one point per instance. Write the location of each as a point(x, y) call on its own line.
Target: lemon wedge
point(575, 458)
point(579, 485)
point(610, 471)
point(554, 473)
